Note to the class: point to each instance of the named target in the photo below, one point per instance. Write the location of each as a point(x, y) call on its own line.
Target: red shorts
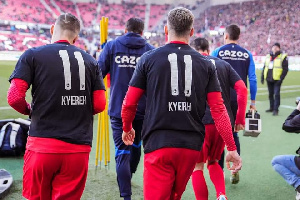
point(213, 145)
point(54, 176)
point(167, 171)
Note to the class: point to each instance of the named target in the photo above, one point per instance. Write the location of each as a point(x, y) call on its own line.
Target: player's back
point(227, 77)
point(178, 80)
point(63, 79)
point(238, 57)
point(119, 58)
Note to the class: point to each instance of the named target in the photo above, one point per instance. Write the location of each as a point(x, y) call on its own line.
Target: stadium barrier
point(10, 55)
point(294, 61)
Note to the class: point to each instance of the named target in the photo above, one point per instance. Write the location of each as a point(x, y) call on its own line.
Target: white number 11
point(174, 74)
point(67, 68)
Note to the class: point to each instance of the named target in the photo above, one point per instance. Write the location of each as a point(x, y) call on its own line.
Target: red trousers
point(213, 145)
point(54, 176)
point(167, 171)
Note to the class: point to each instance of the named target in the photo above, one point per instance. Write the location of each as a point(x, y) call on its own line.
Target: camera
point(298, 151)
point(297, 100)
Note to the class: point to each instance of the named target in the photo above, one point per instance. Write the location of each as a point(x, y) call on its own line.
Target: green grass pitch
point(258, 181)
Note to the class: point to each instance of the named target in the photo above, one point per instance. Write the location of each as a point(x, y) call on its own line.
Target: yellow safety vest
point(277, 66)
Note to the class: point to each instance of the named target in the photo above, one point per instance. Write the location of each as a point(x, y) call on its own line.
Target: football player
point(119, 58)
point(242, 62)
point(213, 145)
point(177, 81)
point(67, 89)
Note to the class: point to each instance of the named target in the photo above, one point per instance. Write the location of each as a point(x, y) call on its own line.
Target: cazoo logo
point(234, 54)
point(133, 60)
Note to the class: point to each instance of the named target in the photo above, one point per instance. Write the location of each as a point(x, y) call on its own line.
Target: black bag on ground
point(13, 137)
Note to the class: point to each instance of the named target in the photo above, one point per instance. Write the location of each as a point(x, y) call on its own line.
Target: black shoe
point(270, 110)
point(275, 113)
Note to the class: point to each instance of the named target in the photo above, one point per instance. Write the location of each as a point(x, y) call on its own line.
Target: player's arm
point(16, 96)
point(20, 80)
point(215, 52)
point(239, 86)
point(137, 88)
point(129, 106)
point(222, 121)
point(252, 81)
point(221, 118)
point(99, 100)
point(104, 60)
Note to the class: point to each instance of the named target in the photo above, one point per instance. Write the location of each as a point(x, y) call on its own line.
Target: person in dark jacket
point(119, 58)
point(274, 71)
point(288, 166)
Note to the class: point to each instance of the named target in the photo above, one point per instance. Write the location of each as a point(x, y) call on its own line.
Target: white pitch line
point(5, 108)
point(282, 87)
point(284, 91)
point(289, 107)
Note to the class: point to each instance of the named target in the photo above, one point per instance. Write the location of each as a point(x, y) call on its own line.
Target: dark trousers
point(234, 108)
point(274, 94)
point(127, 157)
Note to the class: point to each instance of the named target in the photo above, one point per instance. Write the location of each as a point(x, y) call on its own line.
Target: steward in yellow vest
point(274, 71)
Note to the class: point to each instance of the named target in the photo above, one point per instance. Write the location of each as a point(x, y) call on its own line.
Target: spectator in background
point(288, 166)
point(97, 53)
point(274, 71)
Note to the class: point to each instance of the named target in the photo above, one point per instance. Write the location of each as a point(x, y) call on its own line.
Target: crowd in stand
point(26, 10)
point(263, 22)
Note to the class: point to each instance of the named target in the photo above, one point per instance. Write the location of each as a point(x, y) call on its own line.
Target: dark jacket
point(292, 125)
point(119, 58)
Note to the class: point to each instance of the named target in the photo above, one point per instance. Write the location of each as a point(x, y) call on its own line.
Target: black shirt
point(292, 122)
point(227, 77)
point(63, 78)
point(176, 79)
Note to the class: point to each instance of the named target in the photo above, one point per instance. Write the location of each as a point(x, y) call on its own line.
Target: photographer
point(288, 166)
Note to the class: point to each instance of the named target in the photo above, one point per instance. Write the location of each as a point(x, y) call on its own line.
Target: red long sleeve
point(99, 101)
point(129, 106)
point(242, 93)
point(16, 96)
point(221, 118)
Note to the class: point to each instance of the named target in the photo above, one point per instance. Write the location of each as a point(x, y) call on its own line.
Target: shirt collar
point(177, 42)
point(62, 41)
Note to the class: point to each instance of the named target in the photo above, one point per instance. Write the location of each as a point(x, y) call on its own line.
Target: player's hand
point(298, 107)
point(234, 158)
point(128, 137)
point(238, 127)
point(252, 107)
point(262, 81)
